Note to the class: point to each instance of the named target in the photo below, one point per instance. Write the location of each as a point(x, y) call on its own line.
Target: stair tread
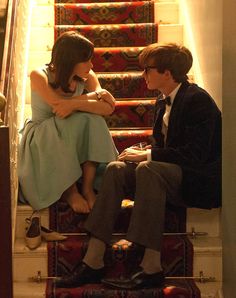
point(37, 290)
point(203, 243)
point(21, 248)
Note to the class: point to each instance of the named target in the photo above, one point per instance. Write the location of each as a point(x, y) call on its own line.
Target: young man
point(183, 167)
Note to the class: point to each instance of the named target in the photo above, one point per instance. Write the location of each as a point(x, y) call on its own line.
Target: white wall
point(212, 25)
point(229, 148)
point(202, 21)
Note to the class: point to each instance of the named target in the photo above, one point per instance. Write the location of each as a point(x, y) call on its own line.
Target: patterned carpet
point(104, 13)
point(124, 35)
point(93, 1)
point(65, 220)
point(116, 59)
point(173, 289)
point(177, 251)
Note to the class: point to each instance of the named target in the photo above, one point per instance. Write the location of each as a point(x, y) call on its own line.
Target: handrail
point(6, 289)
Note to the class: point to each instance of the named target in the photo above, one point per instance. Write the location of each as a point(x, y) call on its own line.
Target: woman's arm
point(92, 83)
point(39, 84)
point(64, 107)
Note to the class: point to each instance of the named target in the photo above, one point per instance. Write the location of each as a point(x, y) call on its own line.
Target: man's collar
point(173, 93)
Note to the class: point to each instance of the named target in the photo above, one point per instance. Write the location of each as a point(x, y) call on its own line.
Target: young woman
point(67, 137)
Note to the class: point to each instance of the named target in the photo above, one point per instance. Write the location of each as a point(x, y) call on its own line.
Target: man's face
point(154, 79)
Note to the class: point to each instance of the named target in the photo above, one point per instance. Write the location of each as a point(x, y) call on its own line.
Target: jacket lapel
point(176, 108)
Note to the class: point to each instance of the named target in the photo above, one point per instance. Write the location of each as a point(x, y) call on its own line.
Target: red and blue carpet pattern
point(119, 31)
point(104, 13)
point(128, 137)
point(123, 35)
point(119, 263)
point(65, 220)
point(132, 113)
point(173, 289)
point(125, 85)
point(94, 1)
point(116, 59)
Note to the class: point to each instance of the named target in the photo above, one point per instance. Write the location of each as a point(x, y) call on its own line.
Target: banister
point(6, 289)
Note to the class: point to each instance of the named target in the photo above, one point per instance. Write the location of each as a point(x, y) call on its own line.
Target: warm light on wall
point(22, 97)
point(190, 42)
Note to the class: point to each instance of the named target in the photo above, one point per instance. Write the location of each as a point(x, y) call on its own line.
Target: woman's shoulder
point(40, 73)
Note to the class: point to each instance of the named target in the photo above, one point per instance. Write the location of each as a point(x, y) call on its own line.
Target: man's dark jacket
point(194, 143)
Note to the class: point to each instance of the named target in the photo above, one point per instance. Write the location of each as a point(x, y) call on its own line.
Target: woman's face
point(81, 70)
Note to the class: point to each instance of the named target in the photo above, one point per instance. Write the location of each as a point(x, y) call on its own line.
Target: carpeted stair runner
point(104, 13)
point(119, 263)
point(116, 59)
point(94, 1)
point(173, 289)
point(132, 113)
point(123, 35)
point(65, 220)
point(177, 261)
point(119, 31)
point(125, 85)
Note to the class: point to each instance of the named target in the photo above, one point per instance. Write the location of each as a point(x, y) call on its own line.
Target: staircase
point(207, 249)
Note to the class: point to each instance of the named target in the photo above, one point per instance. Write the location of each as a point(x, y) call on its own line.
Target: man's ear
point(168, 74)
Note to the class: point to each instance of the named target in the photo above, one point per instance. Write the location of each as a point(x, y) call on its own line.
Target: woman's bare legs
point(76, 201)
point(89, 171)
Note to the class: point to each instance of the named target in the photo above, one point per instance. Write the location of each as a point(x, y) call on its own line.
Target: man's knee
point(142, 168)
point(115, 168)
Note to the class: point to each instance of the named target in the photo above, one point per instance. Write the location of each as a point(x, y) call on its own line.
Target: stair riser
point(26, 266)
point(204, 221)
point(210, 262)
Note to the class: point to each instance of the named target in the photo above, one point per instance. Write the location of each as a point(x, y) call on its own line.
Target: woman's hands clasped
point(63, 108)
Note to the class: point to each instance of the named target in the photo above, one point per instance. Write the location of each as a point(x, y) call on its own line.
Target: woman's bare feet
point(76, 201)
point(90, 198)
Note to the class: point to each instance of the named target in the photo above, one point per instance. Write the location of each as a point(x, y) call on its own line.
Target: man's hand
point(133, 154)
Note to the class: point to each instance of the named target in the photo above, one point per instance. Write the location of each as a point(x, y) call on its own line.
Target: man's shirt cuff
point(149, 155)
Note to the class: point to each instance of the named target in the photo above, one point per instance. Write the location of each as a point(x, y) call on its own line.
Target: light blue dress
point(52, 150)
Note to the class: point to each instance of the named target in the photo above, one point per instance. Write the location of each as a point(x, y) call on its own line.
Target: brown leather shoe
point(137, 280)
point(83, 274)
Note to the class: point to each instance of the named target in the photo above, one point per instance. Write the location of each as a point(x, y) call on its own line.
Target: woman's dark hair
point(177, 59)
point(69, 49)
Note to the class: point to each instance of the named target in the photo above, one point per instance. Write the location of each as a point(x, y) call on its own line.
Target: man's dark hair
point(69, 49)
point(177, 59)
